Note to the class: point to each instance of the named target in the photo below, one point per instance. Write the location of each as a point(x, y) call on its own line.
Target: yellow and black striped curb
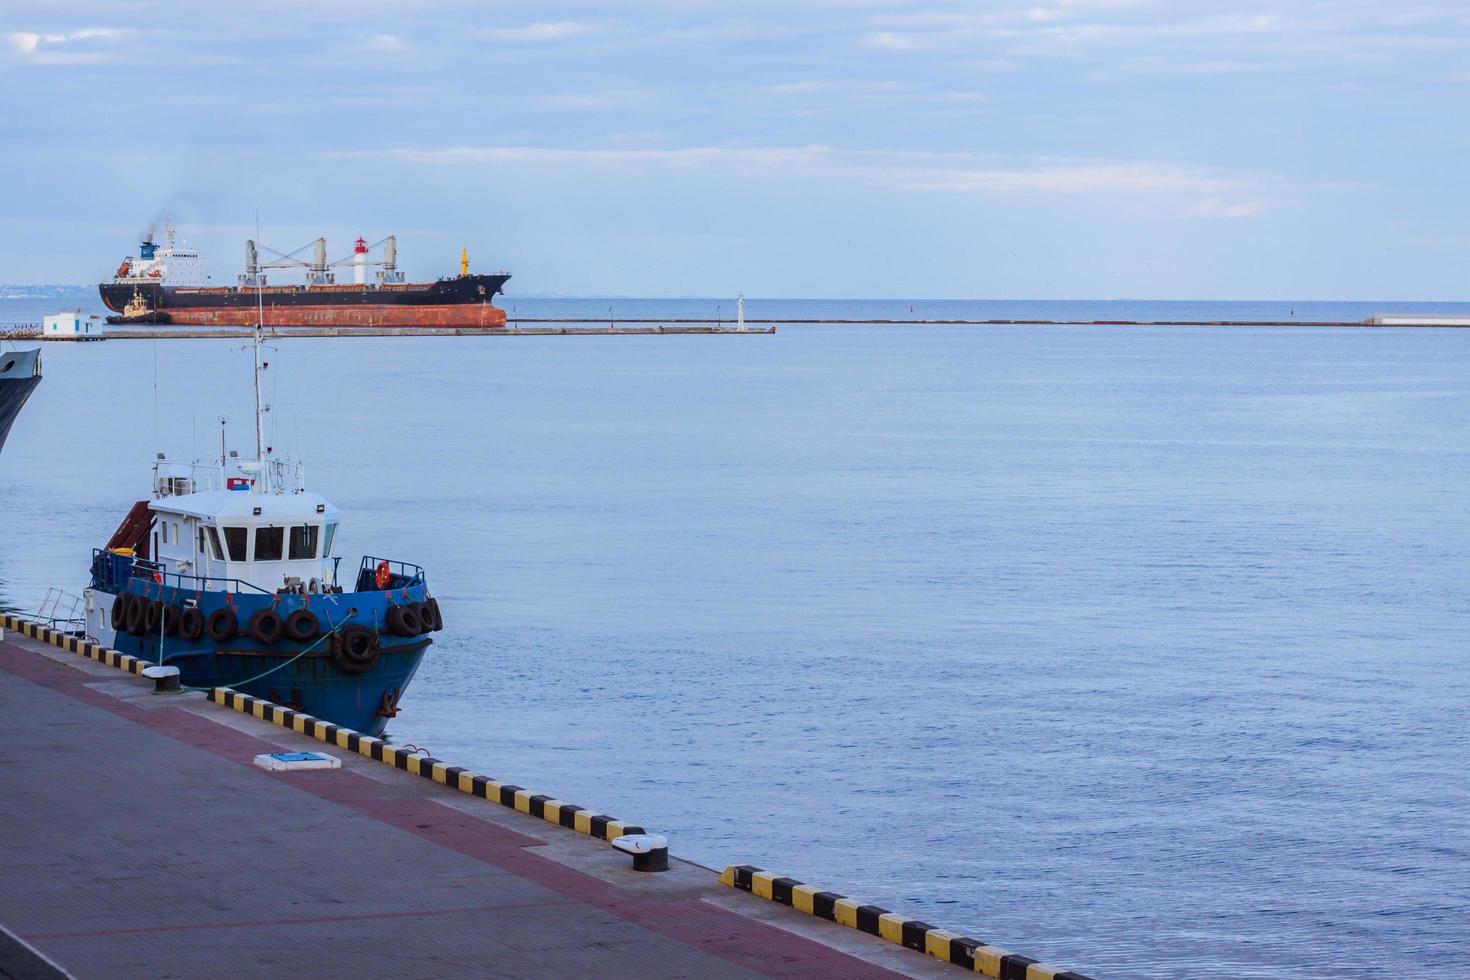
point(563, 814)
point(559, 812)
point(972, 954)
point(75, 644)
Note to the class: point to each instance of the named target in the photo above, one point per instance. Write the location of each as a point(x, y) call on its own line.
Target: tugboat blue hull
point(351, 670)
point(313, 683)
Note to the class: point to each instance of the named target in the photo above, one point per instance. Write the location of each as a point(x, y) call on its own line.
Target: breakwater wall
point(275, 333)
point(1376, 321)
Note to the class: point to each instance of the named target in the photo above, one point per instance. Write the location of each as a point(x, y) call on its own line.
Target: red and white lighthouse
point(359, 263)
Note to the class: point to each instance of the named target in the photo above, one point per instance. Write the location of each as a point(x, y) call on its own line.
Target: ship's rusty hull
point(464, 301)
point(457, 315)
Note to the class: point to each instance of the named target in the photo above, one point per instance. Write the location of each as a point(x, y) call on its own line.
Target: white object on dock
point(650, 852)
point(165, 679)
point(293, 761)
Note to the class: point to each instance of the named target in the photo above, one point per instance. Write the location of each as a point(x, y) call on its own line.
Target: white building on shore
point(72, 325)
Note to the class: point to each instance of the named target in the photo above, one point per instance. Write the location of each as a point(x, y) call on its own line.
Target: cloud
point(1074, 178)
point(383, 42)
point(1211, 193)
point(26, 42)
point(605, 99)
point(542, 31)
point(548, 156)
point(1203, 28)
point(1211, 208)
point(1076, 27)
point(94, 32)
point(838, 87)
point(961, 96)
point(43, 48)
point(892, 41)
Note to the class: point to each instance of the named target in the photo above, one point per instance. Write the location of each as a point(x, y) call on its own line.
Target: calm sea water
point(1140, 650)
point(13, 309)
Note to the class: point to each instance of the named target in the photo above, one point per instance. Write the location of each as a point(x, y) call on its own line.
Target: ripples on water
point(1137, 650)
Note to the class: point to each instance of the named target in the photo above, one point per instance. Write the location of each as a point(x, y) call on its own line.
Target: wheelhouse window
point(235, 538)
point(269, 542)
point(303, 541)
point(214, 549)
point(327, 545)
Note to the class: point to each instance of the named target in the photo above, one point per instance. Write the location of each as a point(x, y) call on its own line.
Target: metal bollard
point(165, 679)
point(650, 851)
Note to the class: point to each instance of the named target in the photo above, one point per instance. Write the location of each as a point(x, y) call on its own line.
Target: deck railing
point(401, 574)
point(174, 477)
point(111, 572)
point(60, 609)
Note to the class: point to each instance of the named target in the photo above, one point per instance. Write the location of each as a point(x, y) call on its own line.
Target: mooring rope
point(251, 680)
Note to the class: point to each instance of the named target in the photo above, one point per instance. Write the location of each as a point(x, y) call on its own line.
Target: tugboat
point(227, 573)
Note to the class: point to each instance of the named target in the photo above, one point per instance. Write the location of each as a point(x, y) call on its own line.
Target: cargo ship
point(167, 285)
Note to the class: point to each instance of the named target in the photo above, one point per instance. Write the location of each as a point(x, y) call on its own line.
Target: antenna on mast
point(259, 324)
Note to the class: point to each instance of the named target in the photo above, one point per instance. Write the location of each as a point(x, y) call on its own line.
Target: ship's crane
point(319, 270)
point(283, 260)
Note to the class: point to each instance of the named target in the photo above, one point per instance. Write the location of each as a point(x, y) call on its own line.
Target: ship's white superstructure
point(167, 266)
point(239, 519)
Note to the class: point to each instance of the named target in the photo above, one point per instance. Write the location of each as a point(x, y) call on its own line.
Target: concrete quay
point(141, 841)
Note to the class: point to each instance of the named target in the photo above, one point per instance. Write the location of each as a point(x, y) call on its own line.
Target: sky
point(823, 148)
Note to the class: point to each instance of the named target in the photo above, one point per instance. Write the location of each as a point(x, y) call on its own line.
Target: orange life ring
point(382, 574)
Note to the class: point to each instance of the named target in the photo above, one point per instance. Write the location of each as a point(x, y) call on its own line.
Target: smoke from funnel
point(157, 222)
